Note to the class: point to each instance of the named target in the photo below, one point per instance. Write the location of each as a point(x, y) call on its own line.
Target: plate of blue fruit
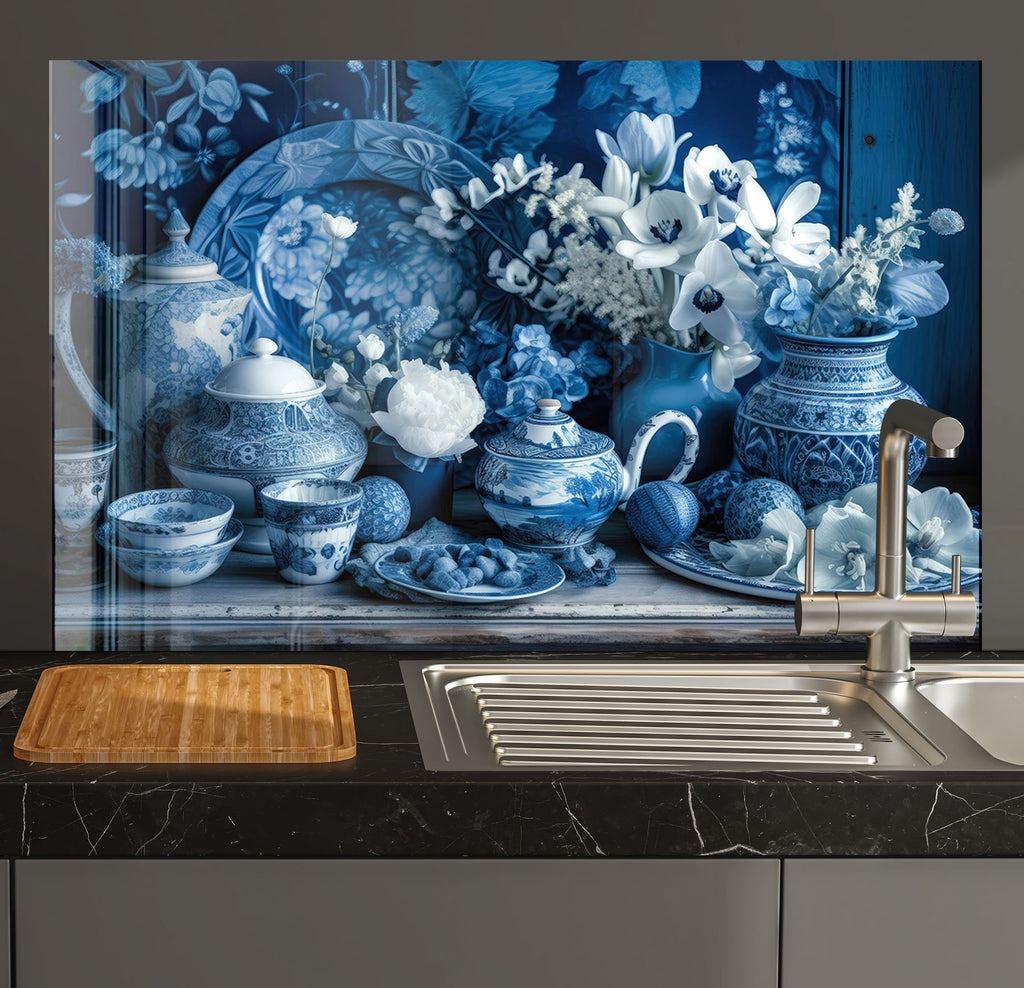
point(471, 573)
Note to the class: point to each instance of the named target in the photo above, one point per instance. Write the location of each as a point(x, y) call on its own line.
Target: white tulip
point(372, 347)
point(338, 226)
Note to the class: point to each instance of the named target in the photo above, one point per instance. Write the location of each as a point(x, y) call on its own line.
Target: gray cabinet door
point(5, 925)
point(939, 923)
point(461, 923)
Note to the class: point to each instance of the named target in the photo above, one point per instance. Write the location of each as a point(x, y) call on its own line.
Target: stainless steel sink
point(990, 710)
point(606, 716)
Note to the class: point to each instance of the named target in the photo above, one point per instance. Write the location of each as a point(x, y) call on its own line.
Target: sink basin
point(990, 710)
point(515, 716)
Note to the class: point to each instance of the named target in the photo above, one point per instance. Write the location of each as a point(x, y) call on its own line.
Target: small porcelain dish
point(311, 524)
point(170, 518)
point(170, 567)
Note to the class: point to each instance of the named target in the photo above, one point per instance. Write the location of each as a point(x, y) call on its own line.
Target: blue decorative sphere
point(748, 504)
point(662, 513)
point(713, 491)
point(384, 515)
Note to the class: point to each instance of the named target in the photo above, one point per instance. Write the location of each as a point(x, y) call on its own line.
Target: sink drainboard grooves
point(553, 725)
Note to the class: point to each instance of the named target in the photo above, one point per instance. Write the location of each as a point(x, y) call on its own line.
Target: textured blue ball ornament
point(748, 504)
point(713, 491)
point(385, 511)
point(662, 513)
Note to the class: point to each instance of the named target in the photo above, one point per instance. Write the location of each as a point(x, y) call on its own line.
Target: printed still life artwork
point(524, 352)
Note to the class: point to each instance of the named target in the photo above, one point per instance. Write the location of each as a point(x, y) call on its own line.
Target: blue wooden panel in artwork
point(919, 122)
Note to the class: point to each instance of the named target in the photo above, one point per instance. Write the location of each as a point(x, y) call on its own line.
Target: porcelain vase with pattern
point(179, 323)
point(814, 422)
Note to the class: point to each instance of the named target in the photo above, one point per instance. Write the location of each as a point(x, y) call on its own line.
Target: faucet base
point(870, 675)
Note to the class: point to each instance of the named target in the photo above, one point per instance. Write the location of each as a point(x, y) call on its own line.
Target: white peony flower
point(432, 410)
point(371, 346)
point(338, 226)
point(375, 373)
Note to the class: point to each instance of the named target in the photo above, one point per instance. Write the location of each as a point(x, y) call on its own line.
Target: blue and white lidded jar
point(263, 419)
point(178, 324)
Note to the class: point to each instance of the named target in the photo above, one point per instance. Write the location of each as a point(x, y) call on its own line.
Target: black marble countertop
point(384, 803)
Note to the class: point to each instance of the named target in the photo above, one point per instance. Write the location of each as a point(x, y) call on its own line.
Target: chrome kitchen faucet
point(888, 615)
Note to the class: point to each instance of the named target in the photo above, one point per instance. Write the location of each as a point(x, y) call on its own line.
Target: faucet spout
point(943, 435)
point(888, 616)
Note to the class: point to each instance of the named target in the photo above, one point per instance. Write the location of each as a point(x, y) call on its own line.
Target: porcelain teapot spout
point(638, 447)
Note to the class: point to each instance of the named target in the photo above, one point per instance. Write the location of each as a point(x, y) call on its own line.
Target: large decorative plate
point(693, 559)
point(262, 226)
point(540, 575)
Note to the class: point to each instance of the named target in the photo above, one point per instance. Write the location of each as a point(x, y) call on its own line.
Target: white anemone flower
point(717, 294)
point(711, 179)
point(666, 230)
point(802, 245)
point(648, 146)
point(340, 227)
point(846, 550)
point(432, 410)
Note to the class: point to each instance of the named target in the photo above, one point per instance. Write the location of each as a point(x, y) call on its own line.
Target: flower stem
point(316, 299)
point(507, 246)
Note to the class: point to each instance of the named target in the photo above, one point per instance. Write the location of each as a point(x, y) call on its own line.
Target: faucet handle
point(809, 563)
point(956, 573)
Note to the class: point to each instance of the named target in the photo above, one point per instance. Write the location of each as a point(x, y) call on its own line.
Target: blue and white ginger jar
point(550, 484)
point(263, 419)
point(179, 324)
point(814, 422)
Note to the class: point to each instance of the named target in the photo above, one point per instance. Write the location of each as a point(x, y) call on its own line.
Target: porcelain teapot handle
point(642, 439)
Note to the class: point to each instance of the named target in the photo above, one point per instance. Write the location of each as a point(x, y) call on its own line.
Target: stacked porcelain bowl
point(170, 537)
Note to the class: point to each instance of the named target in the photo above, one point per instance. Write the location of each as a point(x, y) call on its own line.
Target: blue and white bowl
point(311, 525)
point(170, 567)
point(170, 518)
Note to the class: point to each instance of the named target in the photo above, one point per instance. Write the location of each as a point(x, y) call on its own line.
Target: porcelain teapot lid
point(262, 376)
point(177, 262)
point(549, 434)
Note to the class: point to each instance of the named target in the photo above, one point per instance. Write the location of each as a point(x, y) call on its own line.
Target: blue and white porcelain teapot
point(550, 484)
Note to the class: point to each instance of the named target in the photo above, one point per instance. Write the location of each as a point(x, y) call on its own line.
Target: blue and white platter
point(540, 575)
point(262, 225)
point(693, 559)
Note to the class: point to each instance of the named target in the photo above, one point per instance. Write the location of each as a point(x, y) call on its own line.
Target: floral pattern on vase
point(814, 422)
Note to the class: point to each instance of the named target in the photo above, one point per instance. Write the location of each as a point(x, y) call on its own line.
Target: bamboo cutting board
point(218, 712)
